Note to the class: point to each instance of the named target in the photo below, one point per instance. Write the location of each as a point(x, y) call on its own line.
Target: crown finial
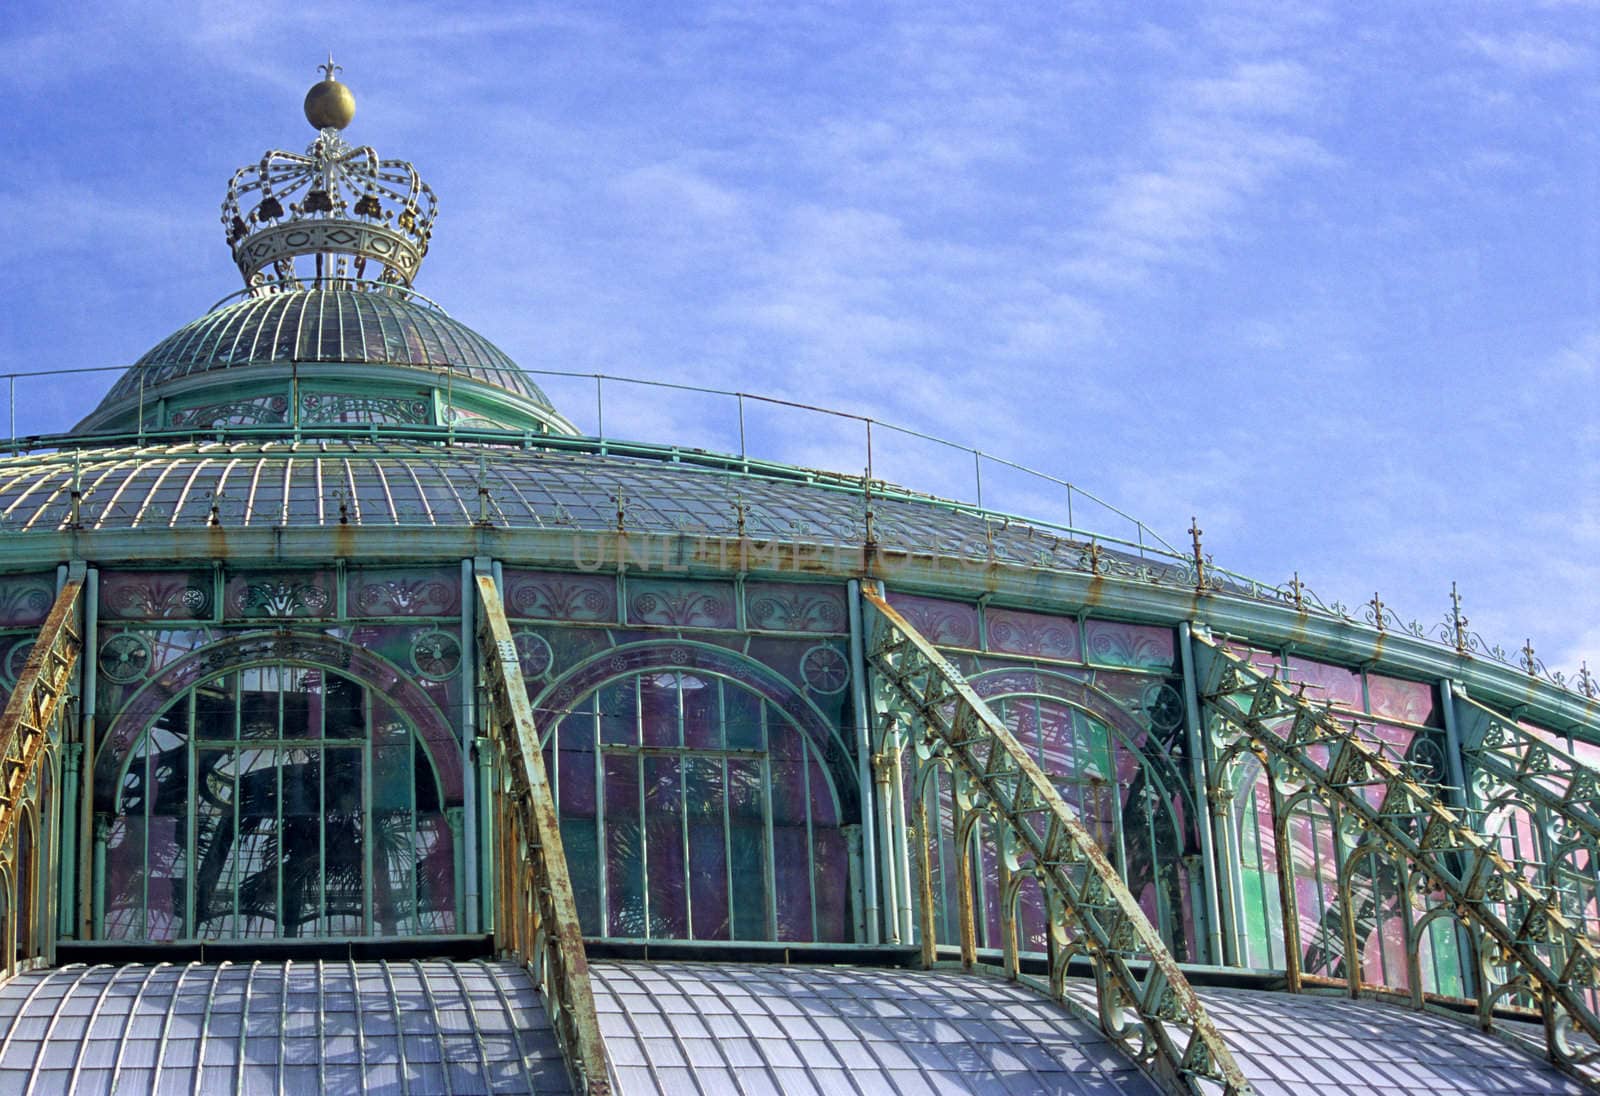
point(335, 214)
point(329, 104)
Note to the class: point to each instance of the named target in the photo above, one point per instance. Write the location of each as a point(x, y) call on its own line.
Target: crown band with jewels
point(337, 203)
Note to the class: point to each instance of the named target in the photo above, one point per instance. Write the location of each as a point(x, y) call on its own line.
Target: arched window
point(695, 808)
point(279, 800)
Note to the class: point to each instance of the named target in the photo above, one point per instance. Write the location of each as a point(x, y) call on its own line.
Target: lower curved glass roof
point(325, 325)
point(395, 483)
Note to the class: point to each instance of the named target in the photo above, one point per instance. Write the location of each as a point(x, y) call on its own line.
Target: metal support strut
point(1157, 1018)
point(536, 914)
point(25, 725)
point(1528, 946)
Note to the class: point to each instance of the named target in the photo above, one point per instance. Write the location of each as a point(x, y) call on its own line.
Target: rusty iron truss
point(25, 725)
point(1510, 761)
point(1154, 1015)
point(27, 730)
point(538, 915)
point(1527, 949)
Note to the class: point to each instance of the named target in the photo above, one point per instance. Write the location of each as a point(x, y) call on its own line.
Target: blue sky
point(1324, 275)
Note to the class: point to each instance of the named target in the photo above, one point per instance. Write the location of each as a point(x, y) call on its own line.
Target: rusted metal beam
point(1543, 953)
point(538, 916)
point(1157, 1018)
point(41, 687)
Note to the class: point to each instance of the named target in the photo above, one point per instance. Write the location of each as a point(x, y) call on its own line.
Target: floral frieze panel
point(1113, 643)
point(26, 599)
point(282, 595)
point(796, 607)
point(392, 592)
point(685, 604)
point(1020, 633)
point(588, 599)
point(942, 623)
point(253, 411)
point(156, 595)
point(341, 407)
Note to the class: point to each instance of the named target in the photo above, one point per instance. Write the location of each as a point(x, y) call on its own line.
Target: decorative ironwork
point(1510, 758)
point(436, 655)
point(538, 914)
point(279, 598)
point(335, 407)
point(125, 658)
point(534, 653)
point(587, 598)
point(1092, 912)
point(25, 601)
point(824, 669)
point(35, 702)
point(1525, 937)
point(682, 605)
point(392, 597)
point(351, 204)
point(796, 608)
point(16, 659)
point(155, 596)
point(251, 411)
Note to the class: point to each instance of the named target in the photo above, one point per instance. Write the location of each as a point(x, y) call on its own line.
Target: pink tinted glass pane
point(832, 887)
point(708, 856)
point(624, 859)
point(435, 874)
point(1327, 682)
point(1408, 701)
point(663, 814)
point(658, 708)
point(702, 711)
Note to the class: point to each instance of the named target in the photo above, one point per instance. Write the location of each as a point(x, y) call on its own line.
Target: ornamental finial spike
point(329, 104)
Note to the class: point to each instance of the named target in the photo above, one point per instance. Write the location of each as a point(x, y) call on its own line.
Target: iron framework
point(1526, 947)
point(1091, 911)
point(537, 912)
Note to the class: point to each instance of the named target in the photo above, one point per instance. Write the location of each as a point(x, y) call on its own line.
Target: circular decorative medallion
point(16, 659)
point(436, 655)
point(1164, 706)
point(125, 658)
point(824, 669)
point(533, 651)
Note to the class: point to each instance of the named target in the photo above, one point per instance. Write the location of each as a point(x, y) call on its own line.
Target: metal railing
point(872, 455)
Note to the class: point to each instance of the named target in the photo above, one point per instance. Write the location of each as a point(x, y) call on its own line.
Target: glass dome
point(327, 326)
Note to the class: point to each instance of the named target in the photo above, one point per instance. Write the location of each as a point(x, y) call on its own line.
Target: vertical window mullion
point(602, 842)
point(811, 847)
point(770, 867)
point(644, 834)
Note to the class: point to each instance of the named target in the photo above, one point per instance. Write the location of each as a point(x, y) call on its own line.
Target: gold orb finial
point(329, 104)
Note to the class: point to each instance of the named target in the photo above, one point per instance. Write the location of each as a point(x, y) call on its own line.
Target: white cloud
point(1529, 53)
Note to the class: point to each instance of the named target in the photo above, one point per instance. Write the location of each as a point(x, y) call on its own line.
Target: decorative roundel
point(1163, 705)
point(436, 655)
point(533, 652)
point(124, 658)
point(16, 659)
point(824, 669)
